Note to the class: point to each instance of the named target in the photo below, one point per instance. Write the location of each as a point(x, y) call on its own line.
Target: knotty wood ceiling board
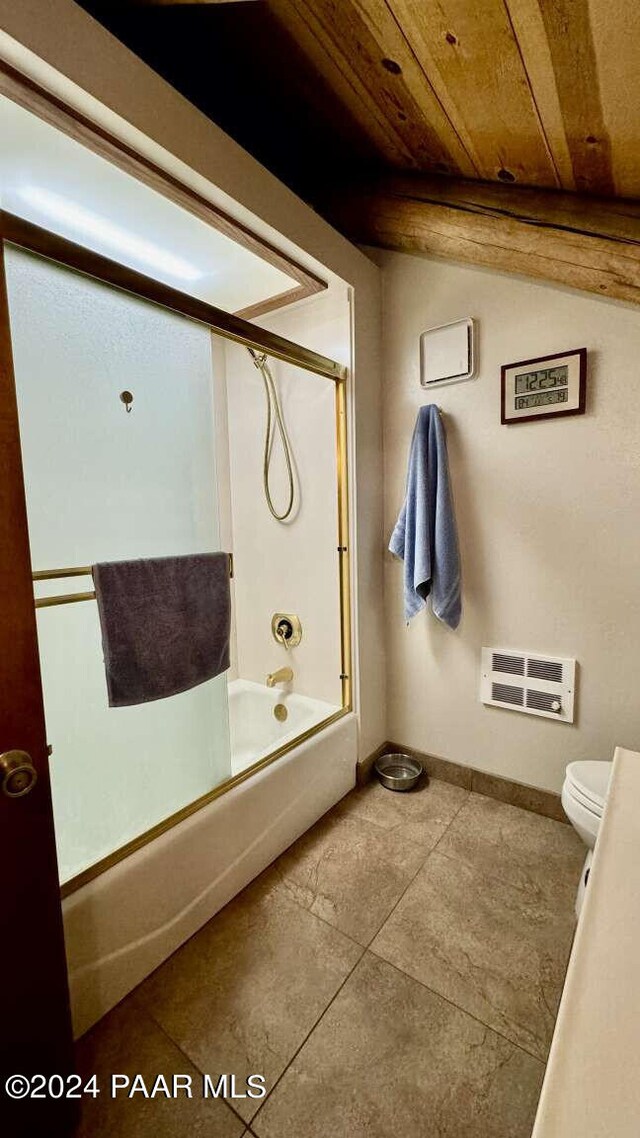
point(542, 93)
point(381, 69)
point(471, 55)
point(615, 34)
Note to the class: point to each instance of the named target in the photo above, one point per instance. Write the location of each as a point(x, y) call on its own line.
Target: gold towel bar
point(78, 571)
point(53, 574)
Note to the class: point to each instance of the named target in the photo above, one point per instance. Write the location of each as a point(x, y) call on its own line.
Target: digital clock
point(542, 387)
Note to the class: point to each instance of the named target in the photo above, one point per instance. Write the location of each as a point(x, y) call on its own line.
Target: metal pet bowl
point(398, 772)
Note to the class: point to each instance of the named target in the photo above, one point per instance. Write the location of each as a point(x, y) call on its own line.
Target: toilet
point(583, 797)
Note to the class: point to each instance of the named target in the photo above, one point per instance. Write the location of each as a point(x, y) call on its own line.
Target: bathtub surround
point(165, 624)
point(309, 542)
point(290, 566)
point(245, 522)
point(400, 1009)
point(547, 519)
point(424, 536)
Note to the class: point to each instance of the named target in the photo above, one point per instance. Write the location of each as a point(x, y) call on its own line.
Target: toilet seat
point(586, 822)
point(584, 793)
point(573, 792)
point(588, 781)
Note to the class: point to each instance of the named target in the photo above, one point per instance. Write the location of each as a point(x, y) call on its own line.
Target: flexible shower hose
point(274, 419)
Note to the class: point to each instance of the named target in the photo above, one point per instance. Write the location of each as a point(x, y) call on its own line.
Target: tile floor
point(395, 973)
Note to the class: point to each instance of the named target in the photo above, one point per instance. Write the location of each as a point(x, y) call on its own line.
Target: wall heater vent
point(529, 682)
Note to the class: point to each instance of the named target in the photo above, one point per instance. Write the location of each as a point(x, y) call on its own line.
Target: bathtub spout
point(282, 676)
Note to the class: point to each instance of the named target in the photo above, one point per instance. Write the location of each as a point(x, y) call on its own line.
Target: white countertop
point(592, 1083)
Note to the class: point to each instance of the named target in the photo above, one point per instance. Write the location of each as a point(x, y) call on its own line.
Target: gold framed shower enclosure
point(17, 232)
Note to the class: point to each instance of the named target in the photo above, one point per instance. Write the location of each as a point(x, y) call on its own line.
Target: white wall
point(547, 516)
point(321, 323)
point(60, 46)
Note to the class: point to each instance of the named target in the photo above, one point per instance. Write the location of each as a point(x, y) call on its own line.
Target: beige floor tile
point(494, 949)
point(241, 996)
point(350, 872)
point(127, 1041)
point(389, 1058)
point(421, 815)
point(516, 846)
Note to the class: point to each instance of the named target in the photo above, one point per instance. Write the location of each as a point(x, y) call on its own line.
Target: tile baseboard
point(531, 798)
point(364, 769)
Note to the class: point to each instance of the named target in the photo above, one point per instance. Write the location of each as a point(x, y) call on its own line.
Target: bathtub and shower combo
point(153, 423)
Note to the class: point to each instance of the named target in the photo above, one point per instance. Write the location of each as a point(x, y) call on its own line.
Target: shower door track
point(25, 235)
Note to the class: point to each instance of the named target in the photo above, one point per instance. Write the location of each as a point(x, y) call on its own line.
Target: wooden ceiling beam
point(591, 244)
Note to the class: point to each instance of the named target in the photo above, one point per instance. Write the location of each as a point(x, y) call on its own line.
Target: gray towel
point(165, 624)
point(425, 534)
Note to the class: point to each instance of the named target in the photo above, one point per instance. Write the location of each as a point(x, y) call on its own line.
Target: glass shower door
point(107, 481)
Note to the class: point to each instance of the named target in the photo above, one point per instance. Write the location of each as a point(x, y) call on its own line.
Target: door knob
point(17, 773)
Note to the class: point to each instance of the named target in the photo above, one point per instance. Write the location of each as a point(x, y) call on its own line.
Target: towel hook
point(127, 398)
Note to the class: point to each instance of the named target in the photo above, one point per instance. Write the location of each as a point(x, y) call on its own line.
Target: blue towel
point(425, 536)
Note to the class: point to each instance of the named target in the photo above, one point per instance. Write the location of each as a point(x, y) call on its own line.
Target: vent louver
point(512, 664)
point(506, 693)
point(545, 670)
point(546, 688)
point(543, 700)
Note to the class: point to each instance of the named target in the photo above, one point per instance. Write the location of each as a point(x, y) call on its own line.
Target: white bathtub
point(254, 729)
point(122, 925)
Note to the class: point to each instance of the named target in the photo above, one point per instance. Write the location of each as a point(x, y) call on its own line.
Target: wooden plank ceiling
point(540, 92)
point(520, 93)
